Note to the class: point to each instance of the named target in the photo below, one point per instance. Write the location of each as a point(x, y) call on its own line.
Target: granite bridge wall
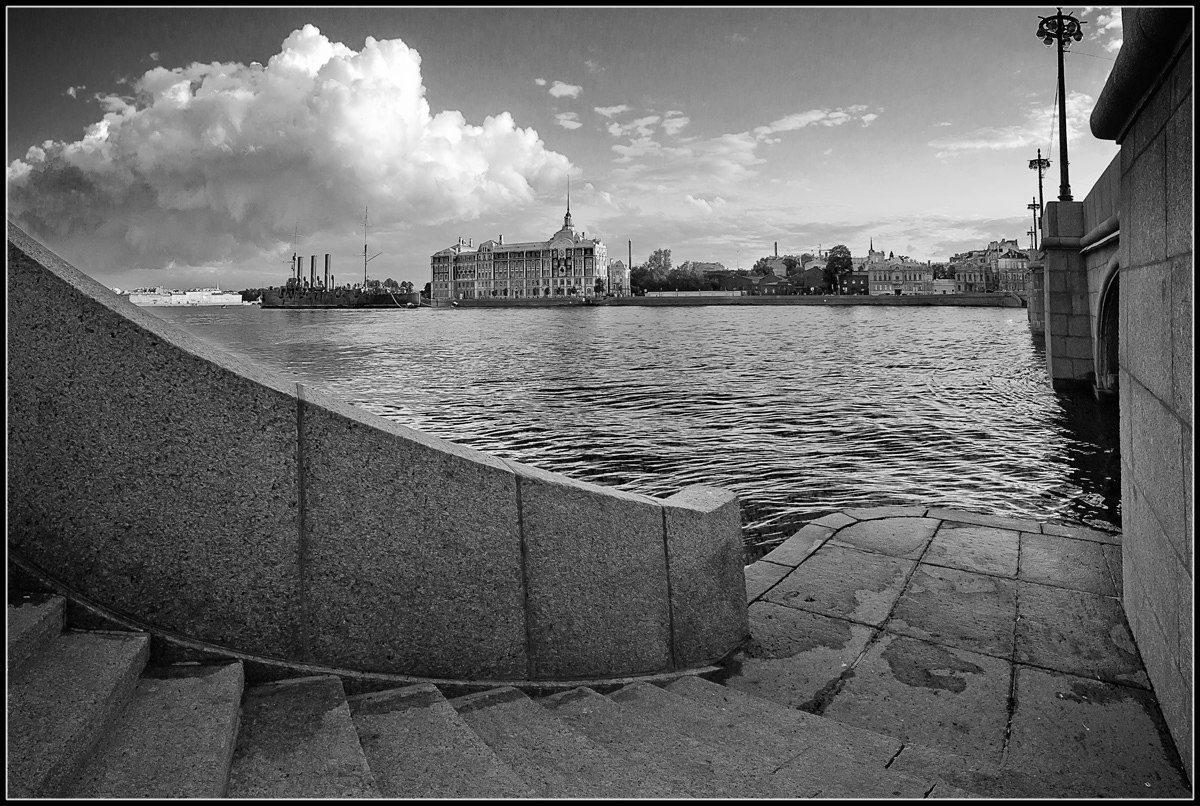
point(197, 493)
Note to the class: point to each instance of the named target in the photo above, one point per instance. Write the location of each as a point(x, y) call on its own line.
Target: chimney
point(501, 240)
point(312, 269)
point(327, 270)
point(777, 249)
point(299, 267)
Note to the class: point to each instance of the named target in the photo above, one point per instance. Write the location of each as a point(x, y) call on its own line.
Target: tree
point(390, 283)
point(762, 266)
point(838, 264)
point(427, 291)
point(659, 264)
point(406, 287)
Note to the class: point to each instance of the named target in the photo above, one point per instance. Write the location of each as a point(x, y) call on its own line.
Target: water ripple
point(800, 410)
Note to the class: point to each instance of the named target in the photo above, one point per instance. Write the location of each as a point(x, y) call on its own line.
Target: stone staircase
point(87, 717)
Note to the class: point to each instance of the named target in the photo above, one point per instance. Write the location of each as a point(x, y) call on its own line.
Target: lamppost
point(1039, 165)
point(1033, 205)
point(1063, 29)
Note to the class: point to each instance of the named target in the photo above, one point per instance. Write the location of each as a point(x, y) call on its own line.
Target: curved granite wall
point(204, 495)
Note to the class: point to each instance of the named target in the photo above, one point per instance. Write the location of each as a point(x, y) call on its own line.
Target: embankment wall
point(200, 494)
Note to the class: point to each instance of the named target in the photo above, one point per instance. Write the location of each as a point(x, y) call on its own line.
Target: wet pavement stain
point(928, 666)
point(820, 701)
point(779, 632)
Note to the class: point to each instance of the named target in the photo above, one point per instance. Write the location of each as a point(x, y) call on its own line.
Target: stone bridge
point(1112, 292)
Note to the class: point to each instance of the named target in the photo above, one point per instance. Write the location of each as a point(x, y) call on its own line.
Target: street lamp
point(1063, 29)
point(1039, 165)
point(1033, 205)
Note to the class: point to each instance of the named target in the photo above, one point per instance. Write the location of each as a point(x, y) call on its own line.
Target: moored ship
point(323, 292)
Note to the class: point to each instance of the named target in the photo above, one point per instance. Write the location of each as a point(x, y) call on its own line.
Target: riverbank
point(1007, 300)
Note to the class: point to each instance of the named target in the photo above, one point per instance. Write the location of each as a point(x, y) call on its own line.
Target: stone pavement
point(995, 649)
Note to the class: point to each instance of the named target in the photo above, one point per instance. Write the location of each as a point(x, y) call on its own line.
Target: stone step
point(550, 757)
point(419, 747)
point(174, 739)
point(34, 620)
point(791, 725)
point(684, 765)
point(796, 766)
point(62, 700)
point(297, 740)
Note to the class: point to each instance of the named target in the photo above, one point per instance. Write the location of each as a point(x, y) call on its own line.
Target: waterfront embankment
point(951, 300)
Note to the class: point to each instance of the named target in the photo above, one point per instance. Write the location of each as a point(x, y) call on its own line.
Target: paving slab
point(958, 608)
point(983, 549)
point(297, 740)
point(1082, 533)
point(844, 582)
point(793, 654)
point(1084, 738)
point(835, 520)
point(419, 747)
point(1112, 558)
point(964, 773)
point(1066, 563)
point(930, 694)
point(797, 548)
point(174, 740)
point(895, 537)
point(794, 766)
point(761, 575)
point(979, 519)
point(1076, 632)
point(870, 513)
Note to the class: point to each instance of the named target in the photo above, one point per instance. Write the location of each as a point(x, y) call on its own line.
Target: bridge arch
point(1106, 341)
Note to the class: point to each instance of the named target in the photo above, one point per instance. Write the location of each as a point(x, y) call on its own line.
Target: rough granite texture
point(595, 566)
point(704, 562)
point(413, 559)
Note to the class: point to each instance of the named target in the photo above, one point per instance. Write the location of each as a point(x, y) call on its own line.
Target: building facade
point(618, 279)
point(568, 264)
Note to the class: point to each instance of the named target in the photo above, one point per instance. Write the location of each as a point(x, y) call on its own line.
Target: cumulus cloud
point(216, 162)
point(568, 120)
point(594, 67)
point(541, 82)
point(560, 89)
point(154, 56)
point(74, 91)
point(611, 111)
point(1039, 125)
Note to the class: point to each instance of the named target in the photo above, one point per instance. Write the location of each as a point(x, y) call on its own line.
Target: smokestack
point(327, 270)
point(312, 269)
point(777, 249)
point(502, 240)
point(298, 267)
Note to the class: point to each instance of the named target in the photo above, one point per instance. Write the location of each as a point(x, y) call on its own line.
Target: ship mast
point(366, 259)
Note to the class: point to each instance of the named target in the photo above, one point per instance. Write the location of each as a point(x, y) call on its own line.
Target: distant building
point(618, 279)
point(896, 275)
point(981, 270)
point(1012, 269)
point(942, 285)
point(568, 264)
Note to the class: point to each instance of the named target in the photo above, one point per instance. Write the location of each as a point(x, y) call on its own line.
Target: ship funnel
point(327, 270)
point(312, 269)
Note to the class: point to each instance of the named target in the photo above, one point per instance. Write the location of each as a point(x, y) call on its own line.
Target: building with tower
point(567, 264)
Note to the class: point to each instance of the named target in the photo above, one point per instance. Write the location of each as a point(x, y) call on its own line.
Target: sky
point(195, 147)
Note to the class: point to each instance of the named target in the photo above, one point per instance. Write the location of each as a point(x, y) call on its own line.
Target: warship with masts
point(323, 292)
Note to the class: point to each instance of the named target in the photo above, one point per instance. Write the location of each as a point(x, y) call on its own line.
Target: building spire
point(567, 217)
point(872, 244)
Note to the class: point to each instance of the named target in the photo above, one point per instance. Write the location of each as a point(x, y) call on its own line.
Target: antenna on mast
point(366, 259)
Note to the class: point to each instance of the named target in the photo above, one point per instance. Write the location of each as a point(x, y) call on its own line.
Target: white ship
point(147, 297)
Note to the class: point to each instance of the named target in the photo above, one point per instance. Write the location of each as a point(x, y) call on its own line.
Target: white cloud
point(814, 117)
point(827, 152)
point(560, 90)
point(674, 122)
point(1105, 27)
point(611, 111)
point(568, 120)
point(1038, 127)
point(642, 127)
point(74, 91)
point(217, 162)
point(944, 123)
point(541, 82)
point(705, 205)
point(154, 56)
point(594, 67)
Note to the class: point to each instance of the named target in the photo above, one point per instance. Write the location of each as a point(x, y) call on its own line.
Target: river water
point(800, 410)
